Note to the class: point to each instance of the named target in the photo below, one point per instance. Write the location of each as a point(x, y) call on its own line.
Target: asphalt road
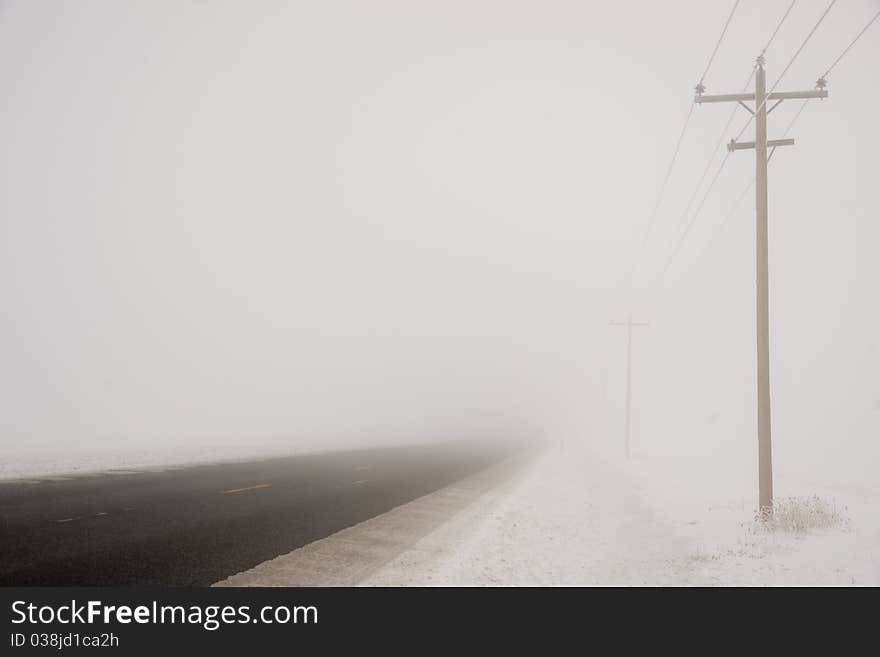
point(197, 525)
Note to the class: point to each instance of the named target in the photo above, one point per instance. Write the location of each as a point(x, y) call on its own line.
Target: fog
point(338, 223)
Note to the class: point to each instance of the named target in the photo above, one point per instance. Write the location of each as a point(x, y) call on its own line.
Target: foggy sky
point(224, 222)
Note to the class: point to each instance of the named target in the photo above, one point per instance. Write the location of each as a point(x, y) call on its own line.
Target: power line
point(748, 188)
point(739, 198)
point(693, 197)
point(779, 25)
point(852, 43)
point(668, 174)
point(800, 48)
point(735, 109)
point(785, 134)
point(720, 140)
point(653, 216)
point(702, 79)
point(788, 66)
point(694, 217)
point(718, 43)
point(791, 124)
point(788, 128)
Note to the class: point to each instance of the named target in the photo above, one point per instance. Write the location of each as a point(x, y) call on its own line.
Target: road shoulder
point(350, 556)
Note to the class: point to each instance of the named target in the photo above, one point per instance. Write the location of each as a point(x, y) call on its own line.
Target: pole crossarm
point(776, 95)
point(795, 95)
point(772, 143)
point(723, 98)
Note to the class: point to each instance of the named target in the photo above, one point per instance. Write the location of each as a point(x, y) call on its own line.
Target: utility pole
point(629, 324)
point(760, 145)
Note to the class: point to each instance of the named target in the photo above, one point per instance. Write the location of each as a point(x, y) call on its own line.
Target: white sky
point(252, 221)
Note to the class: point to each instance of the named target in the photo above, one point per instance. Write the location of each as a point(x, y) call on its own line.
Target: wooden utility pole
point(760, 145)
point(629, 324)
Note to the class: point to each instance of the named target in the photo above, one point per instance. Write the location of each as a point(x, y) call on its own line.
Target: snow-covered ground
point(21, 462)
point(576, 519)
point(716, 514)
point(565, 522)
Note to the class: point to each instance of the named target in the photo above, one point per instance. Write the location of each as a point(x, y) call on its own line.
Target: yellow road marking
point(239, 490)
point(65, 520)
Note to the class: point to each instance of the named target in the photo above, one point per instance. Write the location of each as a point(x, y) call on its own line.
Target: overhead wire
point(718, 143)
point(778, 26)
point(851, 44)
point(693, 218)
point(785, 134)
point(718, 43)
point(660, 196)
point(708, 167)
point(787, 66)
point(791, 122)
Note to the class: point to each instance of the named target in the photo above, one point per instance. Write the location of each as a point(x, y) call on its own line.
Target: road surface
point(197, 525)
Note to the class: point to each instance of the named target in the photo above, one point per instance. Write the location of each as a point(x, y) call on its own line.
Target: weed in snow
point(801, 514)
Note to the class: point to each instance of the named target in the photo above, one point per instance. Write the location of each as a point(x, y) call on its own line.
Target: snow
point(574, 518)
point(730, 548)
point(23, 463)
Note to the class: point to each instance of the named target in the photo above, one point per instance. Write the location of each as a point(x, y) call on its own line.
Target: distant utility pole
point(760, 98)
point(629, 324)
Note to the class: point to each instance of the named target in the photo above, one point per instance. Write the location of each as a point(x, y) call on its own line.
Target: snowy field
point(728, 547)
point(575, 519)
point(24, 463)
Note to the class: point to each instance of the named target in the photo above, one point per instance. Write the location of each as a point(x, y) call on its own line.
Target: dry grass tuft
point(801, 514)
